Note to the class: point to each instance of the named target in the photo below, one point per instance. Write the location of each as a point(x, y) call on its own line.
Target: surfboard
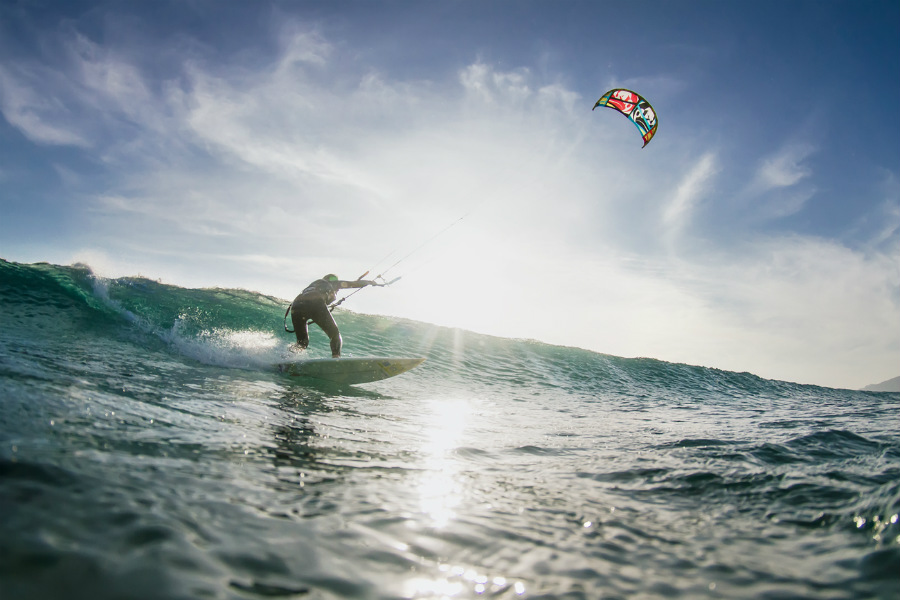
point(351, 370)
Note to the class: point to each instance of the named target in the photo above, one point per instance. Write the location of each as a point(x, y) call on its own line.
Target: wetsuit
point(312, 305)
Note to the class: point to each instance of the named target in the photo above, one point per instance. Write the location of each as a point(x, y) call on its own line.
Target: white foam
point(100, 287)
point(244, 349)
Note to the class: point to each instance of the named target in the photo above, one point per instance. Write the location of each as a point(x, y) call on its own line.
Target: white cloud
point(889, 230)
point(302, 47)
point(690, 191)
point(883, 223)
point(82, 100)
point(108, 81)
point(41, 117)
point(785, 168)
point(781, 185)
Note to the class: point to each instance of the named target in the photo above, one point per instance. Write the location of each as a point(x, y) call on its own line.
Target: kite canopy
point(633, 106)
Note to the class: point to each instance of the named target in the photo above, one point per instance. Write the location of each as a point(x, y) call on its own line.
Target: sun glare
point(470, 285)
point(439, 487)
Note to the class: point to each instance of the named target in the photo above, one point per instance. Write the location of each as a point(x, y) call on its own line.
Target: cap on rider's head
point(331, 277)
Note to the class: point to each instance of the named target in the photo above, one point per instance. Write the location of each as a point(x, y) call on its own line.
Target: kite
point(633, 106)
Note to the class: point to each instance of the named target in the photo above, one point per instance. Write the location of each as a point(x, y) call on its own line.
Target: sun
point(473, 283)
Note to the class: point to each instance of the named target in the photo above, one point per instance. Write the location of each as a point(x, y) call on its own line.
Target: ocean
point(149, 449)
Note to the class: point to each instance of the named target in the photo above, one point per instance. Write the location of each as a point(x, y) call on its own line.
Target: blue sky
point(263, 144)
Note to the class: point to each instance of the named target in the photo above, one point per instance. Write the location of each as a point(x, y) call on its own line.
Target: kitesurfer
point(312, 305)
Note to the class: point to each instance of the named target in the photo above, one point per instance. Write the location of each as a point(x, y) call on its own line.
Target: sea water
point(148, 449)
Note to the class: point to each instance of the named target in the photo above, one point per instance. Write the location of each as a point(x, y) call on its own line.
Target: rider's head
point(331, 277)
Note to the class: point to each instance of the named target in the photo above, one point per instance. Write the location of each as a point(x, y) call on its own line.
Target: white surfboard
point(350, 370)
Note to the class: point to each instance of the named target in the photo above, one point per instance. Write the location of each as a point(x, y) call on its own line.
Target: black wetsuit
point(312, 304)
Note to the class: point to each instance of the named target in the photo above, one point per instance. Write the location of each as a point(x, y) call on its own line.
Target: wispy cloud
point(89, 97)
point(780, 187)
point(880, 226)
point(785, 168)
point(41, 116)
point(691, 190)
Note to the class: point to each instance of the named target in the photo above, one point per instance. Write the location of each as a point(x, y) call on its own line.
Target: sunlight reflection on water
point(439, 488)
point(456, 581)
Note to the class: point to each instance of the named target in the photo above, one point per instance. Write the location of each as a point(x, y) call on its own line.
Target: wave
point(244, 329)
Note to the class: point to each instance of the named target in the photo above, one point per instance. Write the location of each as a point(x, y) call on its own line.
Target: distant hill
point(891, 385)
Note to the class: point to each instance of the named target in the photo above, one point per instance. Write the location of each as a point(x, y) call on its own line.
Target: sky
point(261, 145)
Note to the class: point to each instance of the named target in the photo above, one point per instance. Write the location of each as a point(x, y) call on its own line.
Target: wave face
point(149, 449)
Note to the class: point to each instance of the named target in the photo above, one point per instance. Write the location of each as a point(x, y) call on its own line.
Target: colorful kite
point(633, 106)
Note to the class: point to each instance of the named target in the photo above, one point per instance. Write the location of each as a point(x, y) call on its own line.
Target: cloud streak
point(42, 119)
point(690, 191)
point(780, 187)
point(785, 168)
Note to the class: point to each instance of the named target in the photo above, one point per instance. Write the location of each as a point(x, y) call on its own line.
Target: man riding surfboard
point(312, 305)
